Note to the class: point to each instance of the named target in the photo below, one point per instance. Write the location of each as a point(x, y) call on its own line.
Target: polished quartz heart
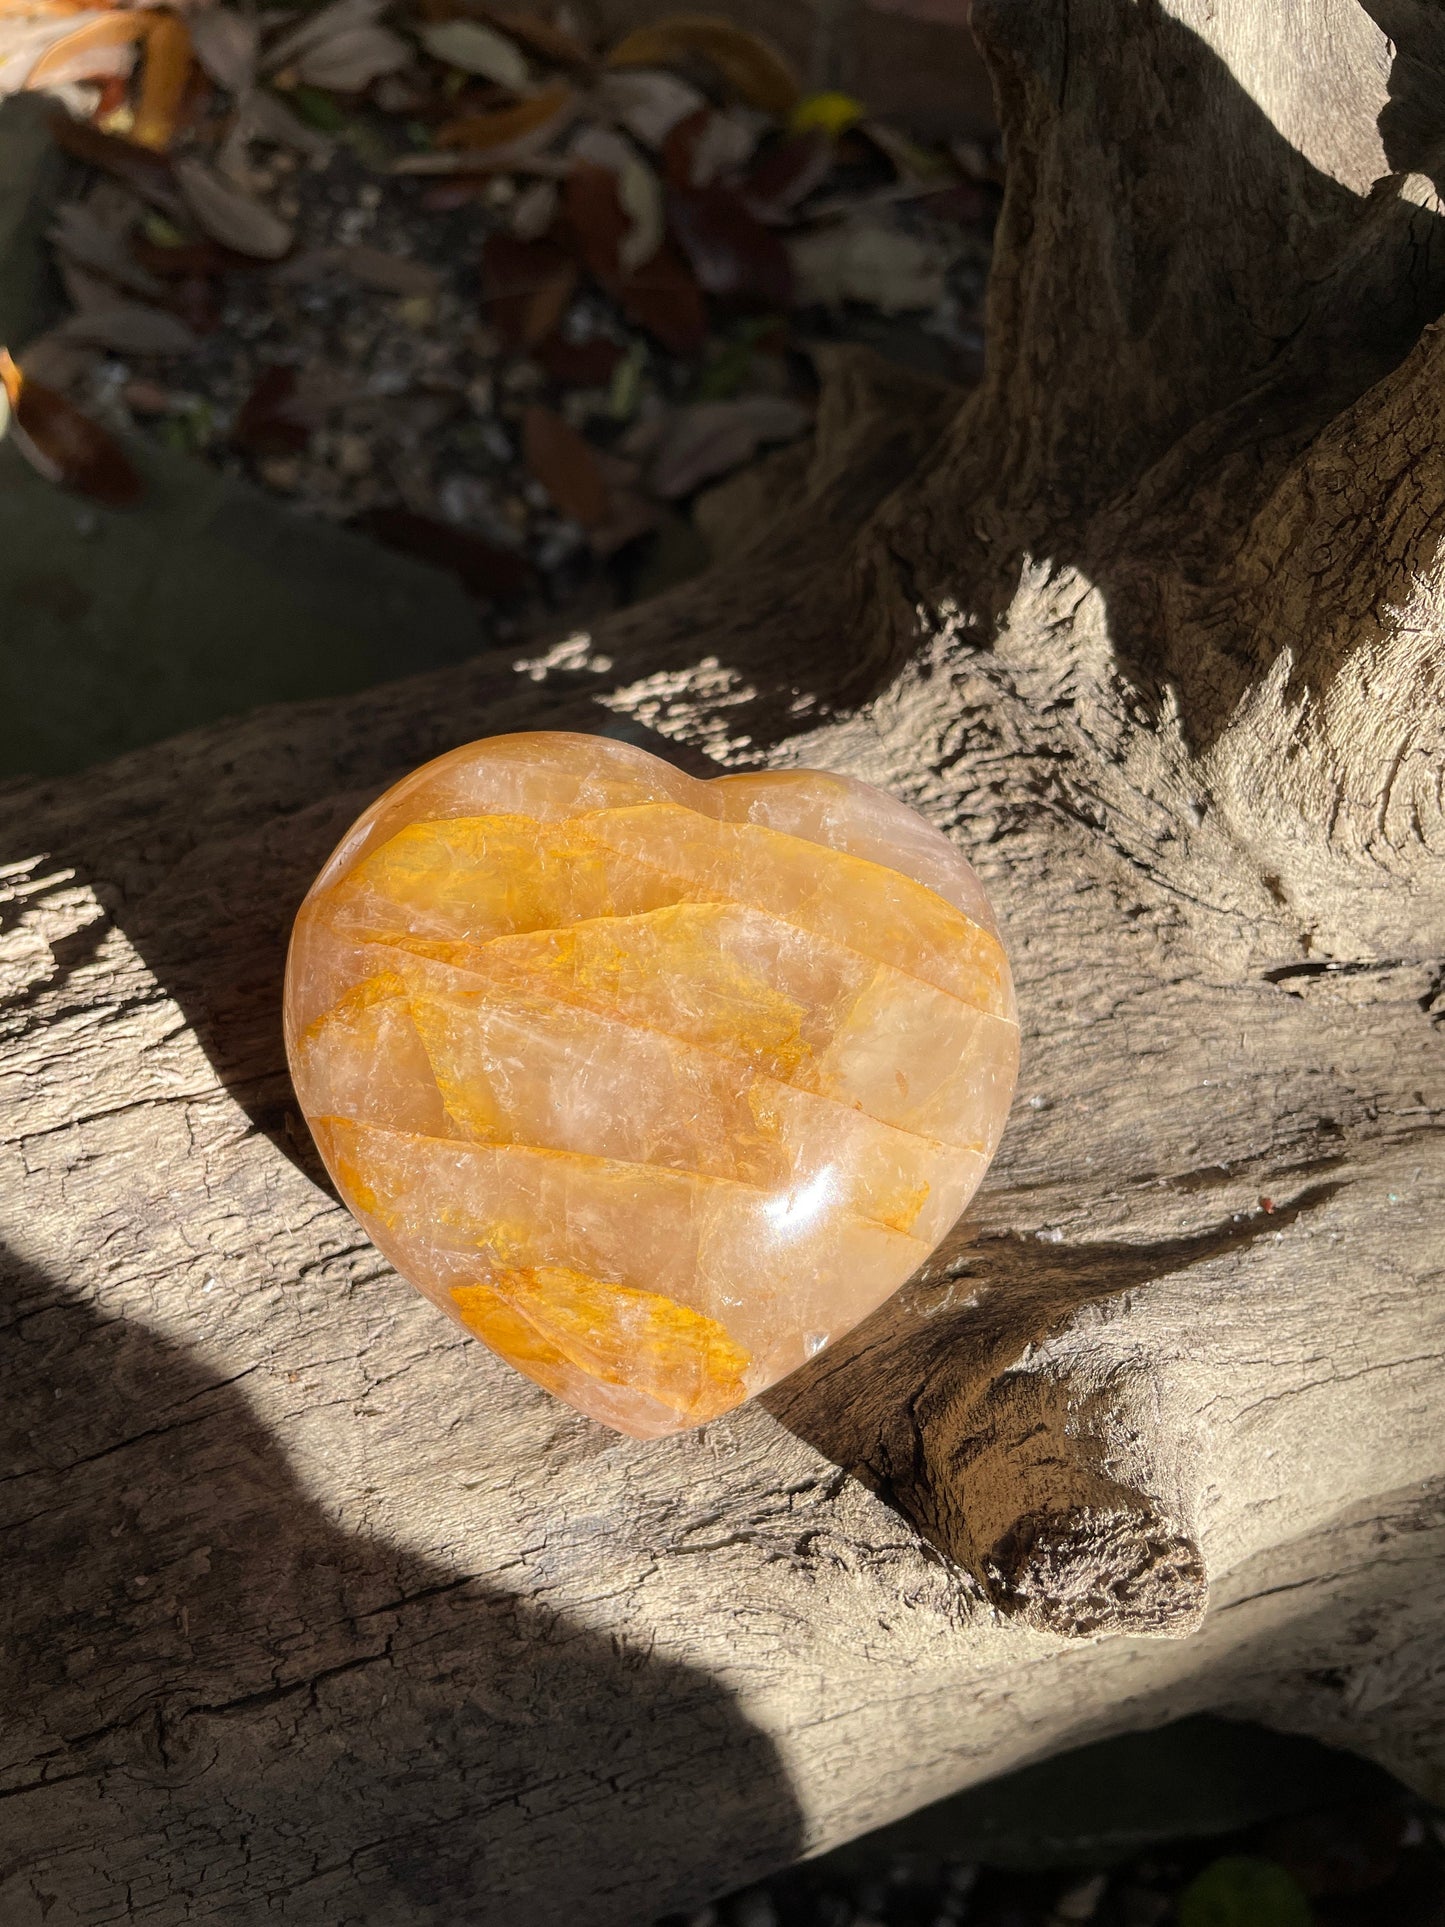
point(656, 1085)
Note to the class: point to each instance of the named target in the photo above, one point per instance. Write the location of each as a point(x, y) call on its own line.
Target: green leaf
point(189, 429)
point(1244, 1892)
point(318, 109)
point(626, 390)
point(728, 370)
point(160, 232)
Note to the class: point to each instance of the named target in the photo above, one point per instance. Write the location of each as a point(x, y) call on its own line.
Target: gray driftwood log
point(315, 1613)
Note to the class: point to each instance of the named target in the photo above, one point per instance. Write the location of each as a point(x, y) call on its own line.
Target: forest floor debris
point(1376, 1863)
point(468, 280)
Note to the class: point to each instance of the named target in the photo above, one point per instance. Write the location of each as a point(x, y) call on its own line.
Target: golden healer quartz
point(655, 1085)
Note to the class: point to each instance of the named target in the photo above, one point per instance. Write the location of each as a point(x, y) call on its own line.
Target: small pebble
point(1081, 1902)
point(534, 210)
point(522, 378)
point(352, 456)
point(281, 472)
point(146, 398)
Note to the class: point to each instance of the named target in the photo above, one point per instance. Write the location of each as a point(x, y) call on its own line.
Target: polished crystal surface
point(655, 1085)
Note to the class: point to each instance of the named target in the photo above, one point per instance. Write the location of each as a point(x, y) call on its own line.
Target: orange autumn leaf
point(163, 83)
point(65, 446)
point(566, 466)
point(540, 37)
point(47, 9)
point(753, 68)
point(88, 52)
point(530, 120)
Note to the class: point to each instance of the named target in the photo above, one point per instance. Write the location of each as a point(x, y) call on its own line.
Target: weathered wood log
point(314, 1612)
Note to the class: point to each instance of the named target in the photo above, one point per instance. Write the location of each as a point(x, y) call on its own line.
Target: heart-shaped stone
point(656, 1085)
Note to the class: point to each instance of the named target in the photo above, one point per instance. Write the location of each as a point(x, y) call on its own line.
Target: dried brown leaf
point(632, 515)
point(699, 443)
point(526, 287)
point(566, 467)
point(230, 216)
point(377, 269)
point(78, 234)
point(148, 173)
point(144, 397)
point(663, 297)
point(751, 66)
point(724, 144)
point(348, 62)
point(129, 328)
point(226, 43)
point(269, 422)
point(340, 16)
point(579, 364)
point(86, 291)
point(786, 173)
point(596, 219)
point(54, 364)
point(649, 103)
point(489, 572)
point(476, 48)
point(637, 189)
point(260, 116)
point(529, 125)
point(65, 446)
point(192, 260)
point(540, 37)
point(909, 161)
point(732, 254)
point(534, 210)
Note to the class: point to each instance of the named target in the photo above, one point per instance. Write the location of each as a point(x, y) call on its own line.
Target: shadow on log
point(195, 1650)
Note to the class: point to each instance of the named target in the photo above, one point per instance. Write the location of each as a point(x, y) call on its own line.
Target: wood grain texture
point(315, 1612)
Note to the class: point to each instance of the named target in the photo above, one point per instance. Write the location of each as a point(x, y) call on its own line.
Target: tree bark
point(315, 1612)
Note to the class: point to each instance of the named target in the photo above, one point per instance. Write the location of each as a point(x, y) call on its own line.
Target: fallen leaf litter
point(466, 280)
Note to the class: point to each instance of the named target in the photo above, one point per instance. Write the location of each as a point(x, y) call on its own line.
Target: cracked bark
point(317, 1613)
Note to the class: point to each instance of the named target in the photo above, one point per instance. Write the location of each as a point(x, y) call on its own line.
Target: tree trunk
point(316, 1612)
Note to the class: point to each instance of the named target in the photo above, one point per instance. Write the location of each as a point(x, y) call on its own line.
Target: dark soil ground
point(1204, 1824)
